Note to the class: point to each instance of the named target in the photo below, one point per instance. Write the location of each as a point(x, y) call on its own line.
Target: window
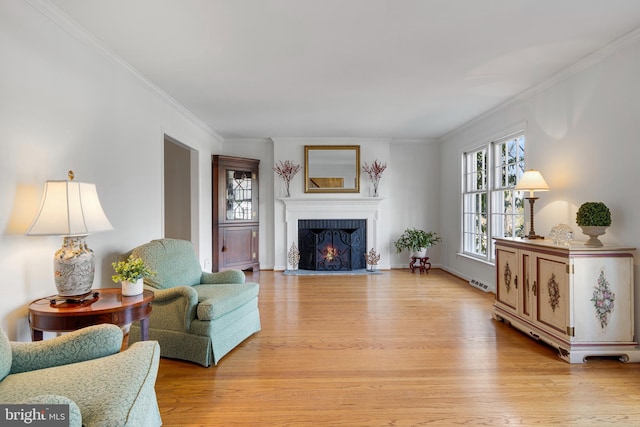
point(491, 206)
point(474, 204)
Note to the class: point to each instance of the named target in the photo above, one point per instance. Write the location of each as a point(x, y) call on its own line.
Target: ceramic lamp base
point(74, 267)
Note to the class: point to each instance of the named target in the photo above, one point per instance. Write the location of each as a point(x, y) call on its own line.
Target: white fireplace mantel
point(367, 208)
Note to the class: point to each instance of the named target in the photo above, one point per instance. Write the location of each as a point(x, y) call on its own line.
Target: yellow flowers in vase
point(130, 273)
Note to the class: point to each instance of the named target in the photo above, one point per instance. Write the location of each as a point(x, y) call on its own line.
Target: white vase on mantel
point(132, 288)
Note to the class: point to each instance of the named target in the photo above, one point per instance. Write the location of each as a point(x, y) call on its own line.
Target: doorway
point(178, 175)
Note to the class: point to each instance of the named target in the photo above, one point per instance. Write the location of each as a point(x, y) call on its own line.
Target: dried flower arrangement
point(372, 259)
point(286, 170)
point(375, 173)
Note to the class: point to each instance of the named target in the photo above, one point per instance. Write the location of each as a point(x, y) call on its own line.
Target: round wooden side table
point(108, 306)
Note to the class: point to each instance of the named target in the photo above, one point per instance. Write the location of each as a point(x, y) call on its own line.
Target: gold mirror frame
point(330, 168)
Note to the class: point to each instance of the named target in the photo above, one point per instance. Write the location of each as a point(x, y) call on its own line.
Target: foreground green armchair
point(85, 370)
point(197, 316)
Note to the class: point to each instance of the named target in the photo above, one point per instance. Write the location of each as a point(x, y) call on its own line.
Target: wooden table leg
point(144, 329)
point(36, 335)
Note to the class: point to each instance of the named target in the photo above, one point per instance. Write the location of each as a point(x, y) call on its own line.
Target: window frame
point(504, 213)
point(471, 218)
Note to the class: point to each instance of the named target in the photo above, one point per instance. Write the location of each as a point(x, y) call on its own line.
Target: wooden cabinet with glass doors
point(235, 213)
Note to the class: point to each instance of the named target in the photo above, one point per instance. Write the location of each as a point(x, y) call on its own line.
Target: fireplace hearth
point(332, 245)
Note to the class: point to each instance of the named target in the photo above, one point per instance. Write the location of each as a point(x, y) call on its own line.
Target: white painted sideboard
point(575, 298)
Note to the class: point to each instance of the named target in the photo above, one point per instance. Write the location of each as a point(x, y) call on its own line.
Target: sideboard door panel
point(526, 283)
point(603, 307)
point(553, 293)
point(507, 271)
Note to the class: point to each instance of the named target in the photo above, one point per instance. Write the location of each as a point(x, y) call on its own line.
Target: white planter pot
point(420, 253)
point(132, 288)
point(593, 232)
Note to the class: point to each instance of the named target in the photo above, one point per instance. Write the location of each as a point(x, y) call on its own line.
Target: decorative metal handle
point(535, 289)
point(515, 282)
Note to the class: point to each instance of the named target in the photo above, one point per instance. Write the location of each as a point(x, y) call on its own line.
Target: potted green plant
point(416, 241)
point(593, 218)
point(130, 273)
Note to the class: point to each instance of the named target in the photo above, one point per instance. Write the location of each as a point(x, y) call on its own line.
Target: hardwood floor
point(396, 349)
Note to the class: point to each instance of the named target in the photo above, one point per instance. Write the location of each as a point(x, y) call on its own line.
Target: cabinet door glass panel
point(239, 194)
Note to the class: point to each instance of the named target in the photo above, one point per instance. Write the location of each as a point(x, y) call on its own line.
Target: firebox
point(332, 244)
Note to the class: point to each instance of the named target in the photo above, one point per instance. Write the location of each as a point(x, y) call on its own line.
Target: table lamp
point(71, 209)
point(532, 181)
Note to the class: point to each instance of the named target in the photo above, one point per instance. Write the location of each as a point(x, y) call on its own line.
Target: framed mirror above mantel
point(332, 169)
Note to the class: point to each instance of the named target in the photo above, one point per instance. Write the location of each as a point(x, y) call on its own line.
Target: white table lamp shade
point(531, 181)
point(69, 209)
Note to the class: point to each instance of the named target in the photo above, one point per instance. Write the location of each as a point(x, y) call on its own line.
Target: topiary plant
point(592, 214)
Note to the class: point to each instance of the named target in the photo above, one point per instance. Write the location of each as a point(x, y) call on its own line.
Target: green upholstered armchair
point(197, 316)
point(85, 370)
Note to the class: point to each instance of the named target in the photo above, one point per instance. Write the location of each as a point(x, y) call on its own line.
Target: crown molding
point(420, 141)
point(54, 13)
point(630, 39)
point(329, 140)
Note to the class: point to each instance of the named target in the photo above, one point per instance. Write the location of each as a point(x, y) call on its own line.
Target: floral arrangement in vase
point(130, 273)
point(286, 170)
point(375, 173)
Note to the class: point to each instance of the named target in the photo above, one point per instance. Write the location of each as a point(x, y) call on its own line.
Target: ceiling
point(341, 68)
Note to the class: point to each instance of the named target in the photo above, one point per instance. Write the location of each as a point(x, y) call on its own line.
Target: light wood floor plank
point(396, 349)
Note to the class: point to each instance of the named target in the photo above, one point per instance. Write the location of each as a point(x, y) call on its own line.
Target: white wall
point(582, 133)
point(414, 194)
point(66, 104)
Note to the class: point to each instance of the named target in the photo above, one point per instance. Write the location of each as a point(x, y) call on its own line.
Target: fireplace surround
point(329, 208)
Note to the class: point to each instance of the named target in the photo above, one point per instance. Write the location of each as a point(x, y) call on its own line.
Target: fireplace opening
point(332, 245)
